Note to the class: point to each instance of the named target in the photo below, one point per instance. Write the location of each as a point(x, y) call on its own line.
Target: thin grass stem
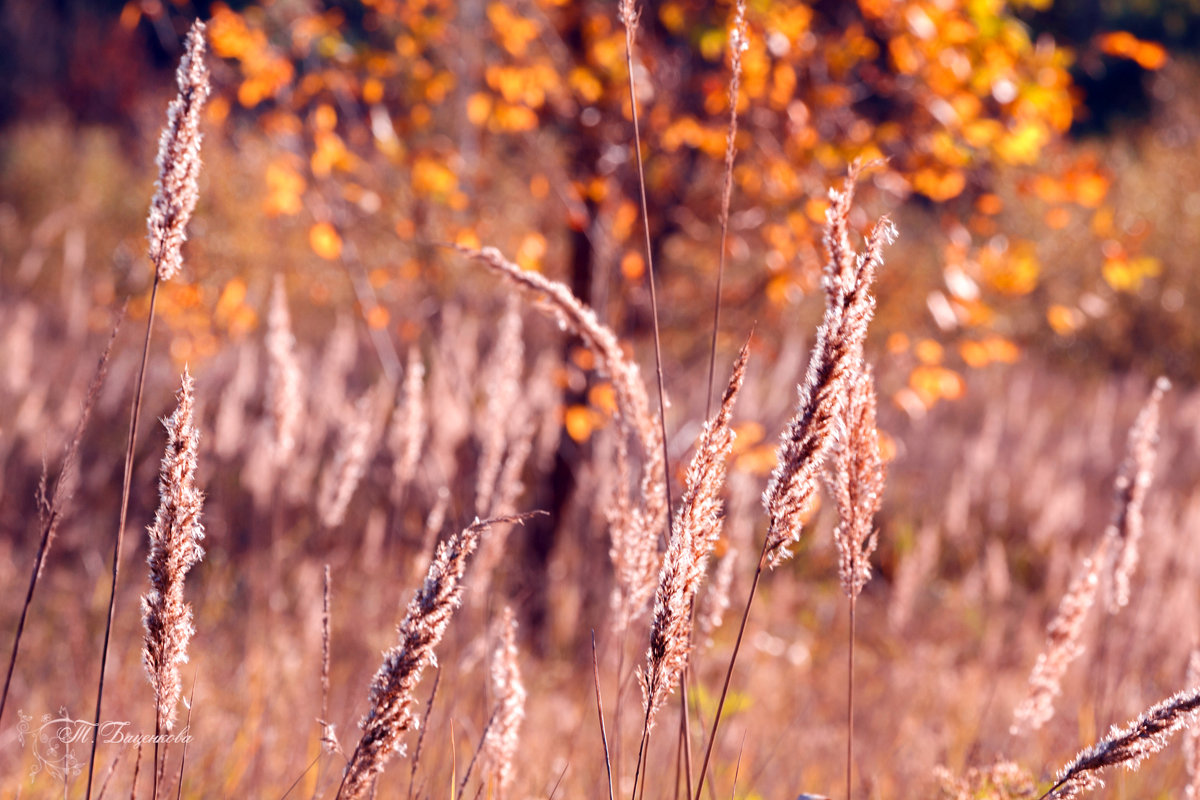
point(134, 413)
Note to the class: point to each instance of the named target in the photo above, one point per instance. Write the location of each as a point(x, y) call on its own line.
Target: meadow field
point(632, 421)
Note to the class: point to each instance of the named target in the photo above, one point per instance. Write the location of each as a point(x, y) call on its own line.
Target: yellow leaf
point(325, 241)
point(1148, 55)
point(325, 118)
point(1000, 349)
point(973, 354)
point(431, 177)
point(929, 352)
point(940, 185)
point(285, 186)
point(467, 238)
point(479, 107)
point(747, 435)
point(936, 383)
point(531, 251)
point(1063, 320)
point(1014, 273)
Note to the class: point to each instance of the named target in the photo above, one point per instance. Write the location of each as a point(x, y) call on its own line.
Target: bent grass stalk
point(424, 625)
point(1126, 746)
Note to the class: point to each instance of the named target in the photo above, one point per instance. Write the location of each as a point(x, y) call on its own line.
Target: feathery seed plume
point(1127, 746)
point(408, 424)
point(355, 448)
point(634, 529)
point(1133, 481)
point(174, 547)
point(857, 484)
point(1062, 644)
point(502, 378)
point(179, 160)
point(284, 391)
point(500, 742)
point(693, 536)
point(391, 696)
point(849, 307)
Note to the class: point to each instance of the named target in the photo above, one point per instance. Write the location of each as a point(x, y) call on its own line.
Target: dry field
point(997, 582)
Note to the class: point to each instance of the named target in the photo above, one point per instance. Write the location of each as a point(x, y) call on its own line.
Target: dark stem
point(685, 722)
point(157, 734)
point(645, 740)
point(38, 562)
point(737, 645)
point(600, 714)
point(658, 369)
point(850, 702)
point(134, 413)
point(416, 760)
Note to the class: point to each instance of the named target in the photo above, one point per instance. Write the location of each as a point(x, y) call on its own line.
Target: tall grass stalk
point(174, 548)
point(51, 509)
point(392, 690)
point(810, 435)
point(628, 14)
point(856, 484)
point(170, 210)
point(738, 44)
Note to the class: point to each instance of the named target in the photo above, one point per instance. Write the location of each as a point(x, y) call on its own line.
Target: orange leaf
point(377, 318)
point(579, 422)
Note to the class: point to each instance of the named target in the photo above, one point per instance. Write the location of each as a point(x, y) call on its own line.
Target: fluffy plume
point(391, 697)
point(849, 307)
point(693, 536)
point(502, 381)
point(408, 424)
point(1062, 644)
point(284, 392)
point(355, 449)
point(1133, 480)
point(857, 485)
point(179, 160)
point(500, 742)
point(1127, 746)
point(174, 547)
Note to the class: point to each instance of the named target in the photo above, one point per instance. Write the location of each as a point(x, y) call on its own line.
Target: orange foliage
point(943, 93)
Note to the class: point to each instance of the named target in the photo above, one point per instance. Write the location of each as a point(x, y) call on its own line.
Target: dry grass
point(990, 503)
